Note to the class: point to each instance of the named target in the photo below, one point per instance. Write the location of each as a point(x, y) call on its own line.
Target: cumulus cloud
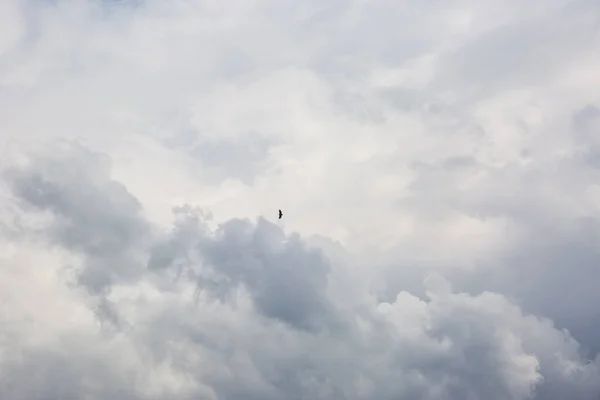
point(437, 164)
point(245, 310)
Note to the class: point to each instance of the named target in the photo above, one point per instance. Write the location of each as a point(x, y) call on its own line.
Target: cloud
point(95, 215)
point(256, 305)
point(437, 167)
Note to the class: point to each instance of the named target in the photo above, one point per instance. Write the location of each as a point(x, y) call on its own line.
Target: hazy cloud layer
point(437, 164)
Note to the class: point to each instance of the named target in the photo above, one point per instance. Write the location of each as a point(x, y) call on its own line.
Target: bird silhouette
point(280, 214)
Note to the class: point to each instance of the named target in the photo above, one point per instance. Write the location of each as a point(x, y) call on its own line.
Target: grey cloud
point(448, 346)
point(287, 280)
point(451, 346)
point(94, 215)
point(177, 245)
point(53, 375)
point(548, 261)
point(264, 320)
point(586, 133)
point(242, 158)
point(586, 120)
point(359, 107)
point(97, 217)
point(552, 274)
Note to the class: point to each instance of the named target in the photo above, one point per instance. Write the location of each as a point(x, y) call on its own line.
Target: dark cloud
point(446, 345)
point(286, 279)
point(93, 214)
point(545, 255)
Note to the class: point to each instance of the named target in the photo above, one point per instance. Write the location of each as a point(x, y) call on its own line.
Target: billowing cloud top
point(437, 163)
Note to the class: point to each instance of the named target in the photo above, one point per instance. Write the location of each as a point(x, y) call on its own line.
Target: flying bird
point(280, 214)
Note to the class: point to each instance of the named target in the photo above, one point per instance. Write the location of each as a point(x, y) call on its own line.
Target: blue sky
point(436, 162)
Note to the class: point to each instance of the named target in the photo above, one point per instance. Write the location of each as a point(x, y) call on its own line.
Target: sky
point(437, 164)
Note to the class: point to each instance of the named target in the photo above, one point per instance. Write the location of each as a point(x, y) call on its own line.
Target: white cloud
point(405, 138)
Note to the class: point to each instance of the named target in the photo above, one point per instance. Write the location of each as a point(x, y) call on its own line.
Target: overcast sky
point(437, 163)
